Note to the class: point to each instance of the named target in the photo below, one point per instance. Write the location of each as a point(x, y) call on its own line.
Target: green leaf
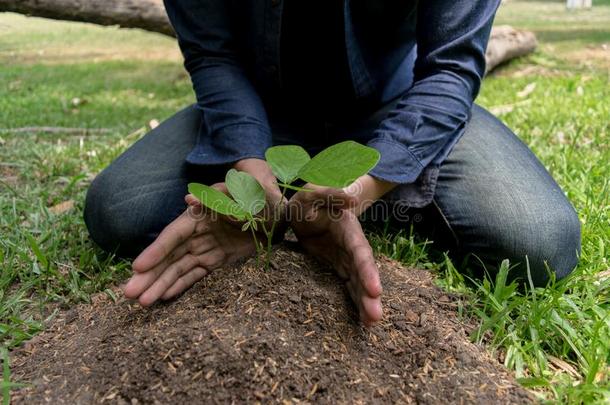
point(339, 165)
point(216, 200)
point(42, 258)
point(533, 382)
point(246, 191)
point(286, 161)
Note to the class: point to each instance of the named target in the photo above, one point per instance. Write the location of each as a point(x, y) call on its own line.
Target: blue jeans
point(494, 200)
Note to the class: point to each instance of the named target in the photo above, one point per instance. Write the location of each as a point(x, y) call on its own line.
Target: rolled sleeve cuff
point(397, 164)
point(230, 145)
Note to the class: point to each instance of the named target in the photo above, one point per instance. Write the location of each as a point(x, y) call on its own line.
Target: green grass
point(556, 339)
point(124, 79)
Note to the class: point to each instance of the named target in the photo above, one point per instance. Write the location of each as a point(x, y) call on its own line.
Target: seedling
point(336, 166)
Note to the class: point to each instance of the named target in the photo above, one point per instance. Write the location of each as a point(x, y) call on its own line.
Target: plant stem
point(270, 233)
point(257, 244)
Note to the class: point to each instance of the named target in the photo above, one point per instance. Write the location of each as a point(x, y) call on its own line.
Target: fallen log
point(148, 15)
point(505, 43)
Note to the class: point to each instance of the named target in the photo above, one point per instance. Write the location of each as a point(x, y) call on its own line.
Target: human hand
point(188, 249)
point(326, 225)
point(195, 244)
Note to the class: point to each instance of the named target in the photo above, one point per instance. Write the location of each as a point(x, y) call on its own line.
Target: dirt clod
point(243, 334)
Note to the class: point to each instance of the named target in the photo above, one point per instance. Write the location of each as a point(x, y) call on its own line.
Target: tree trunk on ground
point(506, 43)
point(148, 15)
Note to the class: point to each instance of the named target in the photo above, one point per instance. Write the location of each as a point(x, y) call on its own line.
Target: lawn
point(115, 82)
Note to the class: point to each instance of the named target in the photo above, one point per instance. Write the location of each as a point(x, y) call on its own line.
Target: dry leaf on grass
point(62, 207)
point(564, 366)
point(527, 90)
point(603, 275)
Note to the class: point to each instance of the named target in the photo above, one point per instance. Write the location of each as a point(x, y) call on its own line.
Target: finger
point(194, 207)
point(213, 259)
point(202, 244)
point(139, 282)
point(167, 279)
point(191, 200)
point(168, 259)
point(369, 309)
point(195, 245)
point(372, 309)
point(363, 261)
point(169, 239)
point(184, 282)
point(210, 258)
point(367, 271)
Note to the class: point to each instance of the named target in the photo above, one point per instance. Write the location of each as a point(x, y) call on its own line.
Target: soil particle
point(287, 335)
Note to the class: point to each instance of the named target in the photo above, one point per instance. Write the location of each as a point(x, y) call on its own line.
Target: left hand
point(326, 224)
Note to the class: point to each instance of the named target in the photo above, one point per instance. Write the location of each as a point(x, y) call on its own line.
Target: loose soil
point(246, 335)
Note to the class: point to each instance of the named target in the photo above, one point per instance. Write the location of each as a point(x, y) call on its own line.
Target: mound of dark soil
point(245, 335)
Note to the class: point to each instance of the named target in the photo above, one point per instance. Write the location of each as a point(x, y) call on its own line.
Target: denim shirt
point(429, 55)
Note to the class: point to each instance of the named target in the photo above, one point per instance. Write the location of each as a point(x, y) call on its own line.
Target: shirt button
point(275, 2)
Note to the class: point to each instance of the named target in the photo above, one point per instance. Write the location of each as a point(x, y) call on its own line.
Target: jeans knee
point(108, 225)
point(571, 244)
point(553, 250)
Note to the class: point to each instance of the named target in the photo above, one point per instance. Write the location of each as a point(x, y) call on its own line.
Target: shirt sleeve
point(452, 37)
point(234, 121)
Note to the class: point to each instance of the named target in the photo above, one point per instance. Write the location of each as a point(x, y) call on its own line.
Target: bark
point(505, 43)
point(148, 15)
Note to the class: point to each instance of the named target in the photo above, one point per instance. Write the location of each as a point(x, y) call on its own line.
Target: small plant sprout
point(248, 201)
point(336, 166)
